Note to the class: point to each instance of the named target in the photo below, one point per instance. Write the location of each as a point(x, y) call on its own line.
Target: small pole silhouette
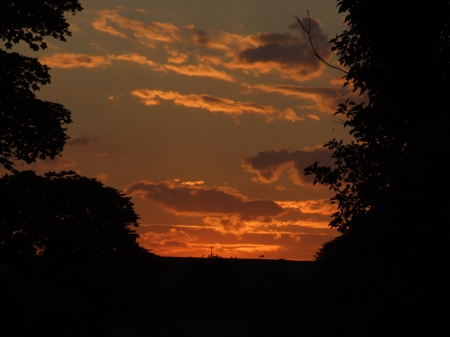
point(211, 251)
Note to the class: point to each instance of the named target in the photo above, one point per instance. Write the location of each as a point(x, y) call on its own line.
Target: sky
point(205, 113)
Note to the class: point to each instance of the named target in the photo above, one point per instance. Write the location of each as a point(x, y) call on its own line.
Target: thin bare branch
point(315, 53)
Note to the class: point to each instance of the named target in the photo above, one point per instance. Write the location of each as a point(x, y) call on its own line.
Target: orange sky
point(205, 113)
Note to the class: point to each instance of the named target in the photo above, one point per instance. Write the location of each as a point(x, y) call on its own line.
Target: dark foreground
point(217, 297)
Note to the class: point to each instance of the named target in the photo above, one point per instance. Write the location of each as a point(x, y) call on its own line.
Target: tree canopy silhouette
point(64, 215)
point(30, 128)
point(394, 168)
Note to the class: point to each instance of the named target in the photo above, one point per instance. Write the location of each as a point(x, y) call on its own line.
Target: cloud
point(200, 70)
point(203, 38)
point(227, 224)
point(288, 55)
point(203, 201)
point(315, 117)
point(74, 61)
point(268, 165)
point(154, 31)
point(96, 46)
point(167, 242)
point(175, 56)
point(83, 142)
point(325, 99)
point(139, 59)
point(53, 164)
point(214, 104)
point(193, 183)
point(318, 206)
point(102, 177)
point(189, 70)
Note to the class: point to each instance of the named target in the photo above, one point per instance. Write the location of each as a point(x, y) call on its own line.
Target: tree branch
point(316, 54)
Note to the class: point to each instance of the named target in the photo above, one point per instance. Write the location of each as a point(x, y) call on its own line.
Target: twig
point(316, 54)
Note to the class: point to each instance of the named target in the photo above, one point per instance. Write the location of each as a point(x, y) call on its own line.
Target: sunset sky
point(206, 113)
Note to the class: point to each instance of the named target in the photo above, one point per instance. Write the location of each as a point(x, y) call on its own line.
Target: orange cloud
point(74, 61)
point(139, 59)
point(214, 104)
point(200, 70)
point(276, 239)
point(325, 99)
point(169, 242)
point(227, 224)
point(318, 206)
point(268, 165)
point(203, 201)
point(193, 183)
point(175, 56)
point(315, 117)
point(102, 177)
point(189, 70)
point(156, 31)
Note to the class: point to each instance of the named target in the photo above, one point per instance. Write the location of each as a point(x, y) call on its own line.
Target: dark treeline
point(387, 273)
point(69, 259)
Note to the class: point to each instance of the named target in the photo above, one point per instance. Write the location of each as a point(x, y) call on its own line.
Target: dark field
point(231, 297)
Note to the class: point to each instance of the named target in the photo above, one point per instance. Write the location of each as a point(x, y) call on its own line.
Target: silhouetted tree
point(64, 214)
point(389, 266)
point(30, 128)
point(69, 260)
point(395, 165)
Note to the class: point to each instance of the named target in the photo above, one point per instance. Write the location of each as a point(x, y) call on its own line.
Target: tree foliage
point(398, 56)
point(30, 128)
point(64, 214)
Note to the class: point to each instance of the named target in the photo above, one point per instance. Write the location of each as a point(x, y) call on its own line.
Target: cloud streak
point(66, 60)
point(200, 70)
point(318, 206)
point(214, 104)
point(325, 99)
point(154, 31)
point(194, 200)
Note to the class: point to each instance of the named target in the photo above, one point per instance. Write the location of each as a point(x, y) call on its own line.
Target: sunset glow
point(206, 114)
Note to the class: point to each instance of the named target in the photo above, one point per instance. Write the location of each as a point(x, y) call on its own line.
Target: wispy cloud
point(65, 60)
point(175, 56)
point(200, 70)
point(325, 99)
point(214, 104)
point(154, 31)
point(318, 206)
point(139, 59)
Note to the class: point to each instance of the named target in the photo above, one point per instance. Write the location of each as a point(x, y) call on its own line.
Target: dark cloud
point(200, 200)
point(291, 54)
point(268, 165)
point(200, 36)
point(83, 142)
